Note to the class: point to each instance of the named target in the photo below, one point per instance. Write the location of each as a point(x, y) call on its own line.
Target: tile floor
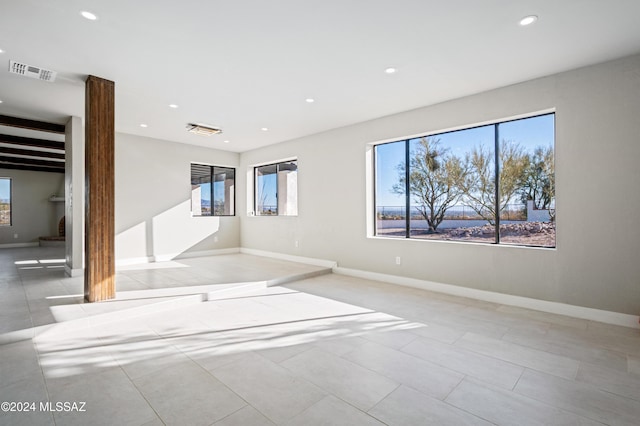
point(324, 350)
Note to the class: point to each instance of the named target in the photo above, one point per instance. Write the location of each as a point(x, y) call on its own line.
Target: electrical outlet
point(15, 235)
point(398, 260)
point(215, 238)
point(296, 243)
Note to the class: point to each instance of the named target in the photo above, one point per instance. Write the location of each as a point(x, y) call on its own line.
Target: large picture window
point(5, 202)
point(212, 190)
point(492, 184)
point(276, 189)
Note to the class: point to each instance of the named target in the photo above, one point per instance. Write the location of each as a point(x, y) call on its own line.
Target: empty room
point(319, 213)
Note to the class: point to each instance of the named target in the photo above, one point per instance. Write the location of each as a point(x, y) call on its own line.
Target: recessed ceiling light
point(264, 129)
point(1, 51)
point(310, 100)
point(528, 20)
point(88, 15)
point(0, 101)
point(143, 125)
point(226, 141)
point(174, 106)
point(390, 70)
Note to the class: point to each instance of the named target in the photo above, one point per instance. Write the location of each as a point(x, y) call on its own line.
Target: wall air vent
point(203, 129)
point(31, 71)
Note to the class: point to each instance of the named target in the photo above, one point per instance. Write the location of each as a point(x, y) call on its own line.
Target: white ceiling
point(247, 64)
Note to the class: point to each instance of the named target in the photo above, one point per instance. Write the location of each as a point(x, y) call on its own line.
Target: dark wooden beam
point(31, 152)
point(40, 143)
point(24, 123)
point(35, 162)
point(99, 273)
point(31, 168)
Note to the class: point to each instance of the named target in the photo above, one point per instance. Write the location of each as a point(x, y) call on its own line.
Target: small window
point(5, 202)
point(276, 189)
point(212, 190)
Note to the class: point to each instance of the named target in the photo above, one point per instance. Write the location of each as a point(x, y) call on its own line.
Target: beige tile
point(503, 407)
point(580, 398)
point(246, 416)
point(616, 382)
point(279, 354)
point(613, 342)
point(271, 389)
point(610, 329)
point(395, 339)
point(406, 406)
point(505, 319)
point(141, 358)
point(29, 389)
point(427, 377)
point(633, 364)
point(439, 332)
point(331, 411)
point(339, 346)
point(110, 399)
point(350, 382)
point(571, 349)
point(188, 394)
point(19, 360)
point(488, 369)
point(520, 355)
point(467, 324)
point(577, 323)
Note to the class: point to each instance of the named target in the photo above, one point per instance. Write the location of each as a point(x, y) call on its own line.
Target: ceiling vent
point(31, 71)
point(203, 129)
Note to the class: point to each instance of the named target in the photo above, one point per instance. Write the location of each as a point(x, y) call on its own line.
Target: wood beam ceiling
point(24, 123)
point(12, 156)
point(31, 168)
point(38, 143)
point(31, 152)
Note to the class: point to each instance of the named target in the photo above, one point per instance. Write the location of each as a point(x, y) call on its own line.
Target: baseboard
point(581, 312)
point(73, 272)
point(16, 245)
point(290, 258)
point(173, 256)
point(203, 253)
point(134, 260)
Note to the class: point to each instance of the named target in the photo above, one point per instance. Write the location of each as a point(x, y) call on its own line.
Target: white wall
point(74, 195)
point(33, 215)
point(597, 174)
point(153, 200)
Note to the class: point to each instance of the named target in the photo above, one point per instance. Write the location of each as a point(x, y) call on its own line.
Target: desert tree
point(479, 184)
point(434, 180)
point(539, 178)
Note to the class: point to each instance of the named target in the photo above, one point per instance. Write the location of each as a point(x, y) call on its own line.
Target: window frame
point(10, 224)
point(373, 230)
point(212, 173)
point(255, 191)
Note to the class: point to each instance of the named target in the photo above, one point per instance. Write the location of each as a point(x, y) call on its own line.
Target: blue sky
point(5, 189)
point(266, 189)
point(529, 133)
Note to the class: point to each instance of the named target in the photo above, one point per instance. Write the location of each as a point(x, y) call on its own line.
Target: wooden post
point(99, 275)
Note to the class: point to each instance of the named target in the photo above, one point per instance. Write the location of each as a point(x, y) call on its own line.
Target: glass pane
point(287, 194)
point(527, 182)
point(452, 186)
point(390, 189)
point(200, 190)
point(266, 190)
point(5, 202)
point(223, 191)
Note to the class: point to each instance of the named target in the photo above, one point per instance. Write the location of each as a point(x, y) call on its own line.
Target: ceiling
point(247, 65)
